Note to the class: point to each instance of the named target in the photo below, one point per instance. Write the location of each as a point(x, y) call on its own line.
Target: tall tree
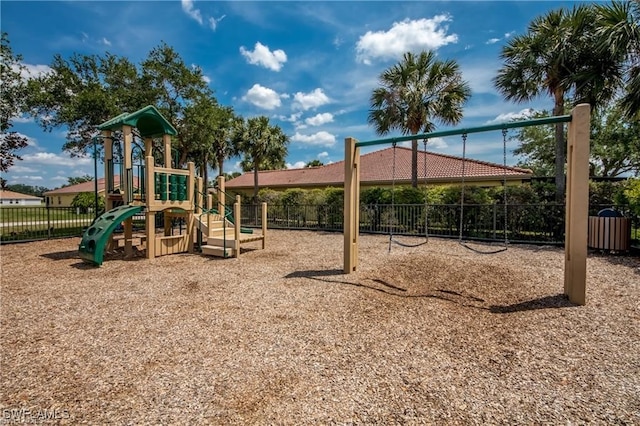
point(619, 31)
point(536, 147)
point(84, 91)
point(12, 89)
point(174, 86)
point(224, 137)
point(198, 127)
point(80, 93)
point(264, 147)
point(416, 93)
point(615, 144)
point(560, 57)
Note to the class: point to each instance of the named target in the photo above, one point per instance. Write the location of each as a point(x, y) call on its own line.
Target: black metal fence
point(525, 223)
point(39, 223)
point(530, 223)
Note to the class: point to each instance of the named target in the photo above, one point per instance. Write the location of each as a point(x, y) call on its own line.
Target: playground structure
point(577, 196)
point(176, 193)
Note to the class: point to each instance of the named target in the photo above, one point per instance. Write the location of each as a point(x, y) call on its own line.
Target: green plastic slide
point(97, 235)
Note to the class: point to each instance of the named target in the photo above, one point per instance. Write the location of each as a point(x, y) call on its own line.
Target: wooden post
point(191, 189)
point(577, 205)
point(166, 139)
point(126, 186)
point(150, 215)
point(351, 204)
point(221, 193)
point(264, 225)
point(236, 228)
point(199, 197)
point(148, 147)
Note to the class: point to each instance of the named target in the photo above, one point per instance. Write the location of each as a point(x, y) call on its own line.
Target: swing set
point(461, 240)
point(577, 196)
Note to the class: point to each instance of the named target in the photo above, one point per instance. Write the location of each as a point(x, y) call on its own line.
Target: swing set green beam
point(479, 129)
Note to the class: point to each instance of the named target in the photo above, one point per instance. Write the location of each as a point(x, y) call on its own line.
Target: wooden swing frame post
point(577, 197)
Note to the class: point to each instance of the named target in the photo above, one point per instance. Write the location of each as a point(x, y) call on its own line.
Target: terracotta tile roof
point(5, 194)
point(377, 168)
point(87, 186)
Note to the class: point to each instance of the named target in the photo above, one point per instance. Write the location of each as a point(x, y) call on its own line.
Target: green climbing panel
point(95, 238)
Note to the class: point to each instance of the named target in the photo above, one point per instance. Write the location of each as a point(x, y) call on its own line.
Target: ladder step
point(221, 242)
point(217, 251)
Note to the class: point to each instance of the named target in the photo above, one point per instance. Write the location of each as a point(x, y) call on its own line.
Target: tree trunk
point(561, 149)
point(220, 166)
point(414, 163)
point(205, 173)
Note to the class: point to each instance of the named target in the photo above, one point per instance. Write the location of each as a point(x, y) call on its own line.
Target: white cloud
point(512, 116)
point(261, 55)
point(49, 158)
point(206, 79)
point(262, 97)
point(105, 41)
point(323, 154)
point(436, 143)
point(337, 42)
point(296, 165)
point(310, 100)
point(30, 71)
point(405, 36)
point(492, 41)
point(26, 179)
point(213, 22)
point(317, 139)
point(22, 169)
point(319, 119)
point(292, 118)
point(22, 119)
point(187, 7)
point(509, 34)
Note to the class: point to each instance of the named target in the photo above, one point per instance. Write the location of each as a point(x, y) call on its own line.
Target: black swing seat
point(466, 244)
point(403, 244)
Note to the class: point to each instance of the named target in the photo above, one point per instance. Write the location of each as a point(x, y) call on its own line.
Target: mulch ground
point(430, 335)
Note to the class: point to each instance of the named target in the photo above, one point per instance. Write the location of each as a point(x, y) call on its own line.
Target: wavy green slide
point(97, 235)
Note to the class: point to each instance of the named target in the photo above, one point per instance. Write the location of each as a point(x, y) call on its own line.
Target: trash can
point(609, 231)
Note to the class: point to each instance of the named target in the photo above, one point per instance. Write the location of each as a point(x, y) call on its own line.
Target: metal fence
point(525, 223)
point(39, 223)
point(530, 223)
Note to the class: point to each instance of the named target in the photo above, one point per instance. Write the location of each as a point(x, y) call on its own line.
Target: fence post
point(48, 221)
point(495, 220)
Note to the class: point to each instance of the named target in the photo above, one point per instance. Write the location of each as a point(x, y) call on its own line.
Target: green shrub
point(86, 201)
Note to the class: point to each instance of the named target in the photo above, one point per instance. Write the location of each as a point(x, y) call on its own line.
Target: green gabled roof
point(148, 121)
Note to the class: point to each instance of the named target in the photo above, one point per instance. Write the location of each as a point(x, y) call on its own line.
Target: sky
point(309, 66)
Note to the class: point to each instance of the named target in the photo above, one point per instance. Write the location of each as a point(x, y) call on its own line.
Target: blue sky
point(309, 66)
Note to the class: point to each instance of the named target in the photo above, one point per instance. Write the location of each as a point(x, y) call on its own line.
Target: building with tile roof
point(11, 198)
point(376, 169)
point(62, 197)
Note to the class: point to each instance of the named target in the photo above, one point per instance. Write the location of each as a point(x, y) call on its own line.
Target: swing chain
point(504, 182)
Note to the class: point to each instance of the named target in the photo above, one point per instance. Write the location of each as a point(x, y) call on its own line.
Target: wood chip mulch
point(435, 334)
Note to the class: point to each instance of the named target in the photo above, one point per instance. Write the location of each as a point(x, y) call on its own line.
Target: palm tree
point(414, 92)
point(619, 30)
point(224, 141)
point(559, 56)
point(264, 147)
